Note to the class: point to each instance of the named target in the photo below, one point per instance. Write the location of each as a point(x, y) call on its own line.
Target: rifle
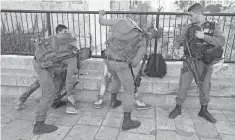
point(138, 78)
point(191, 64)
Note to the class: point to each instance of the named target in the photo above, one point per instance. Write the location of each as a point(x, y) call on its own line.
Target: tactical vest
point(199, 48)
point(49, 50)
point(122, 44)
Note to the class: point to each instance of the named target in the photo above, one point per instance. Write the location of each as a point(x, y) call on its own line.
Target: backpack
point(122, 45)
point(52, 48)
point(156, 66)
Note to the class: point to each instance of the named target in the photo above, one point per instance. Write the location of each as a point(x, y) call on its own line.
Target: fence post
point(156, 39)
point(48, 24)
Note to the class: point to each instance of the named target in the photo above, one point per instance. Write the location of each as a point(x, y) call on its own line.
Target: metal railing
point(21, 28)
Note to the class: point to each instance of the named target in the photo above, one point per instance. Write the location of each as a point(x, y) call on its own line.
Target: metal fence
point(21, 28)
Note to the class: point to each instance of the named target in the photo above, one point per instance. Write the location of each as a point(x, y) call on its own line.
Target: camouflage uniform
point(120, 71)
point(186, 76)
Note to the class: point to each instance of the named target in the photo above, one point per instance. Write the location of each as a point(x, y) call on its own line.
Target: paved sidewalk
point(105, 124)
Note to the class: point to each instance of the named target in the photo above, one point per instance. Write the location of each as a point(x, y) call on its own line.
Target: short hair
point(60, 27)
point(196, 8)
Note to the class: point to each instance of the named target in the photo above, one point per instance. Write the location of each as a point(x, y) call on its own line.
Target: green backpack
point(122, 45)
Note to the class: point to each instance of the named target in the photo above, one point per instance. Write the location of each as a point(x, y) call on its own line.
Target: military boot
point(128, 124)
point(174, 113)
point(206, 115)
point(40, 128)
point(114, 102)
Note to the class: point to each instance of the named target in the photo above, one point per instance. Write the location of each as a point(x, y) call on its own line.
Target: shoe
point(114, 102)
point(206, 115)
point(144, 107)
point(174, 113)
point(128, 123)
point(19, 105)
point(70, 108)
point(97, 105)
point(40, 128)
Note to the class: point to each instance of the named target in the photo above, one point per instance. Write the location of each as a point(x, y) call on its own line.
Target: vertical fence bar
point(173, 38)
point(90, 36)
point(37, 19)
point(84, 23)
point(68, 20)
point(62, 18)
point(22, 22)
point(224, 22)
point(13, 28)
point(228, 35)
point(168, 36)
point(106, 31)
point(18, 28)
point(73, 23)
point(7, 24)
point(57, 18)
point(100, 39)
point(32, 26)
point(49, 24)
point(79, 32)
point(181, 23)
point(156, 39)
point(163, 25)
point(27, 26)
point(95, 33)
point(43, 25)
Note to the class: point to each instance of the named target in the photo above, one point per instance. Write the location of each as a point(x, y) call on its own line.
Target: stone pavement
point(105, 124)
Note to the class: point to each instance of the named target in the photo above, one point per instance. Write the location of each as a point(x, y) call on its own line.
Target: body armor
point(201, 49)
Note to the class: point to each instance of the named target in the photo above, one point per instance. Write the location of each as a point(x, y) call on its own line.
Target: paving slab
point(230, 115)
point(113, 119)
point(134, 136)
point(225, 127)
point(16, 129)
point(147, 125)
point(107, 133)
point(206, 130)
point(91, 120)
point(82, 132)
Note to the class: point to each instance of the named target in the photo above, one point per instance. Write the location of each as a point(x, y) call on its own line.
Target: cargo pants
point(106, 79)
point(51, 86)
point(185, 82)
point(121, 74)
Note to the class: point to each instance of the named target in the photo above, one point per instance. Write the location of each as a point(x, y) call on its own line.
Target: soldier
point(51, 76)
point(33, 87)
point(114, 102)
point(215, 38)
point(126, 45)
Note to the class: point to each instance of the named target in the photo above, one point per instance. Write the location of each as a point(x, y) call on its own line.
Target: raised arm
point(106, 22)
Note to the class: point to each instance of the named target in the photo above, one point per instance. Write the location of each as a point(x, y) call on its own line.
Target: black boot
point(40, 127)
point(114, 102)
point(206, 115)
point(128, 124)
point(174, 113)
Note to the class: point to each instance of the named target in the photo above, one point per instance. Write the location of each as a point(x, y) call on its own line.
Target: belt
point(112, 59)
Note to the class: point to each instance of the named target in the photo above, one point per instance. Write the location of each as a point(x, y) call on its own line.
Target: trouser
point(29, 91)
point(186, 80)
point(71, 70)
point(121, 74)
point(51, 86)
point(107, 77)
